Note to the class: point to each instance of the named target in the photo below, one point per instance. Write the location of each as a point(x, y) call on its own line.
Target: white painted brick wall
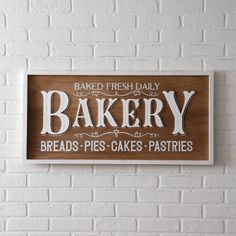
point(116, 200)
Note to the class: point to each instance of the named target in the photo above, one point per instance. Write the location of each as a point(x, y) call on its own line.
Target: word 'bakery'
point(105, 117)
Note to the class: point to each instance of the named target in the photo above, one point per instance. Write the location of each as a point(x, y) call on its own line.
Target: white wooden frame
point(113, 73)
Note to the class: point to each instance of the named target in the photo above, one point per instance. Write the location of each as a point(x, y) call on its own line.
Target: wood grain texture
point(196, 117)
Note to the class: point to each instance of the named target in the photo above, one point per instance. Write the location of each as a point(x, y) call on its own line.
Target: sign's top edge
point(113, 73)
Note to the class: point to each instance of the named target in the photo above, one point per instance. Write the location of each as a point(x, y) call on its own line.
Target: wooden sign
point(146, 119)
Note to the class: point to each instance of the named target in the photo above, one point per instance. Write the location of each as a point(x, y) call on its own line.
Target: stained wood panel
point(110, 140)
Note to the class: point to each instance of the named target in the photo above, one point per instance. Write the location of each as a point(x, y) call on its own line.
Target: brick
point(12, 209)
point(202, 196)
point(136, 234)
point(12, 234)
point(203, 20)
point(48, 209)
point(14, 6)
point(14, 137)
point(216, 169)
point(93, 209)
point(93, 35)
point(2, 20)
point(2, 195)
point(219, 6)
point(115, 20)
point(138, 210)
point(171, 196)
point(184, 181)
point(231, 21)
point(14, 107)
point(112, 49)
point(220, 64)
point(159, 20)
point(2, 79)
point(156, 169)
point(2, 49)
point(220, 181)
point(72, 169)
point(27, 224)
point(14, 80)
point(137, 64)
point(17, 166)
point(47, 35)
point(11, 35)
point(203, 50)
point(114, 195)
point(71, 224)
point(93, 6)
point(217, 211)
point(136, 181)
point(91, 234)
point(27, 195)
point(231, 135)
point(114, 169)
point(137, 35)
point(2, 137)
point(2, 107)
point(11, 151)
point(231, 226)
point(68, 195)
point(231, 196)
point(75, 50)
point(137, 6)
point(1, 225)
point(27, 49)
point(172, 210)
point(49, 64)
point(230, 79)
point(158, 50)
point(222, 150)
point(220, 96)
point(220, 111)
point(97, 64)
point(203, 226)
point(2, 165)
point(181, 6)
point(115, 224)
point(27, 20)
point(7, 63)
point(158, 225)
point(92, 181)
point(72, 20)
point(181, 64)
point(181, 35)
point(49, 180)
point(50, 6)
point(228, 108)
point(49, 234)
point(231, 49)
point(12, 180)
point(223, 35)
point(9, 93)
